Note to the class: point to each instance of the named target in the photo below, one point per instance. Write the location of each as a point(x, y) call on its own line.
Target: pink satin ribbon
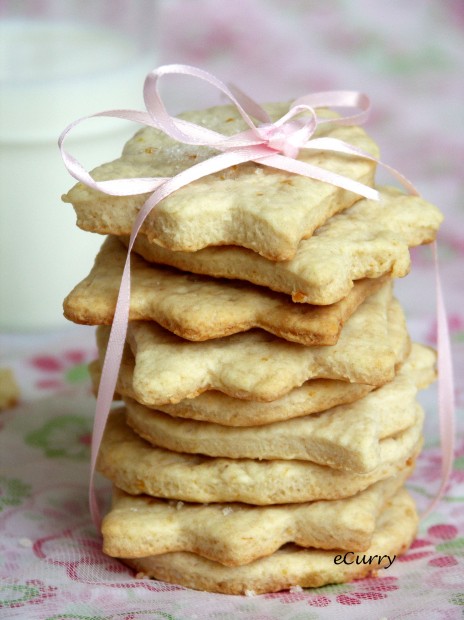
point(275, 144)
point(446, 404)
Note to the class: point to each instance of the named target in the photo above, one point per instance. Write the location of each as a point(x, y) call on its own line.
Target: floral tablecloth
point(409, 56)
point(51, 564)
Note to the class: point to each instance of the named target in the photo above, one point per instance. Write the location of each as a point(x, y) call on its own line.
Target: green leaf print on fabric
point(457, 599)
point(15, 595)
point(123, 615)
point(77, 374)
point(429, 58)
point(65, 436)
point(12, 492)
point(78, 617)
point(456, 547)
point(18, 595)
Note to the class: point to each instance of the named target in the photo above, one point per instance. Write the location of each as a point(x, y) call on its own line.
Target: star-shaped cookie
point(251, 205)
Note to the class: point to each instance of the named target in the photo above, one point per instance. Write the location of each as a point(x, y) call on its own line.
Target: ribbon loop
point(196, 133)
point(339, 99)
point(286, 136)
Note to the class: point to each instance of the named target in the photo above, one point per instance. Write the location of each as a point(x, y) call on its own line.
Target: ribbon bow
point(263, 143)
point(275, 144)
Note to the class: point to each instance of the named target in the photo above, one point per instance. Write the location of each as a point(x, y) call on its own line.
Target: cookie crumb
point(250, 593)
point(25, 542)
point(141, 576)
point(9, 389)
point(296, 589)
point(179, 505)
point(227, 510)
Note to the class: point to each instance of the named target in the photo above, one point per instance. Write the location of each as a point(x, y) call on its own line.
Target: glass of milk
point(61, 62)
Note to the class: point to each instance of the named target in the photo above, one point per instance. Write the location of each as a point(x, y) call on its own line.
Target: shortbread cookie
point(9, 390)
point(354, 438)
point(348, 437)
point(201, 308)
point(291, 565)
point(312, 397)
point(366, 241)
point(257, 366)
point(213, 406)
point(236, 534)
point(135, 466)
point(251, 205)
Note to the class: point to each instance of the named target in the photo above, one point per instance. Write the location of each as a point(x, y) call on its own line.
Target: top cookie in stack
point(280, 373)
point(249, 205)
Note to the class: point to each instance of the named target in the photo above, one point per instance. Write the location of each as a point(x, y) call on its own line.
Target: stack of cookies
point(269, 383)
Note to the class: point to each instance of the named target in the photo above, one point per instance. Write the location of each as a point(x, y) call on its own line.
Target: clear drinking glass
point(59, 61)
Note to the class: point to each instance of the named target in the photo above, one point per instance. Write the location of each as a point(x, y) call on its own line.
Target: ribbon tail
point(339, 146)
point(446, 405)
point(108, 380)
point(320, 174)
point(119, 327)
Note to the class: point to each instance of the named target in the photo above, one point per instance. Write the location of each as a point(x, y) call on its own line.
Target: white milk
point(52, 73)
